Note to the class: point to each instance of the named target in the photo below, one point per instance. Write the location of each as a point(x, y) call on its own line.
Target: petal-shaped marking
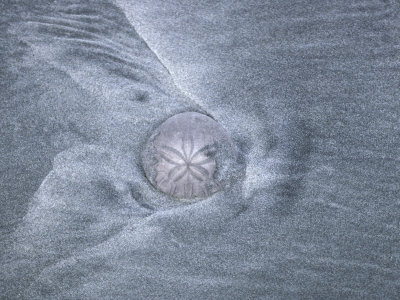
point(191, 146)
point(204, 150)
point(203, 162)
point(201, 170)
point(174, 171)
point(163, 179)
point(198, 177)
point(171, 161)
point(183, 148)
point(187, 146)
point(179, 177)
point(174, 151)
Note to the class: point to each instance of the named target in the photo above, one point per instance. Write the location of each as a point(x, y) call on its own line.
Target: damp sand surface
point(308, 92)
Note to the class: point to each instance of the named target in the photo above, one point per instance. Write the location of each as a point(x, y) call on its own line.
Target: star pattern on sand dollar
point(187, 156)
point(186, 163)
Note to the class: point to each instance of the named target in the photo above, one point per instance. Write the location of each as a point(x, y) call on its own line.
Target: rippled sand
point(307, 91)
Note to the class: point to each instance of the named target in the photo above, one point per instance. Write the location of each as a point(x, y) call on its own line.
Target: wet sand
point(307, 91)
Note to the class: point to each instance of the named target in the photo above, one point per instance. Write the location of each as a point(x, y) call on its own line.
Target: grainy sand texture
point(308, 94)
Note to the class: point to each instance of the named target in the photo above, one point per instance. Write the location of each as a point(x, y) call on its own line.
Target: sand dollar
point(189, 156)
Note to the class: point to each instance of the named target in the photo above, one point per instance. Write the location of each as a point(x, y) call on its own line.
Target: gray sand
point(309, 93)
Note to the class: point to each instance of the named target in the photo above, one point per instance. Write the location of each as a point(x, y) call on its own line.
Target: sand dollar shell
point(189, 156)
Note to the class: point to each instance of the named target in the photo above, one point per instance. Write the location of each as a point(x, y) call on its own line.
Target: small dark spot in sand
point(143, 96)
point(140, 96)
point(138, 197)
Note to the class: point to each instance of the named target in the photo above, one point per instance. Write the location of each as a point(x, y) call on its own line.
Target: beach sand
point(309, 94)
